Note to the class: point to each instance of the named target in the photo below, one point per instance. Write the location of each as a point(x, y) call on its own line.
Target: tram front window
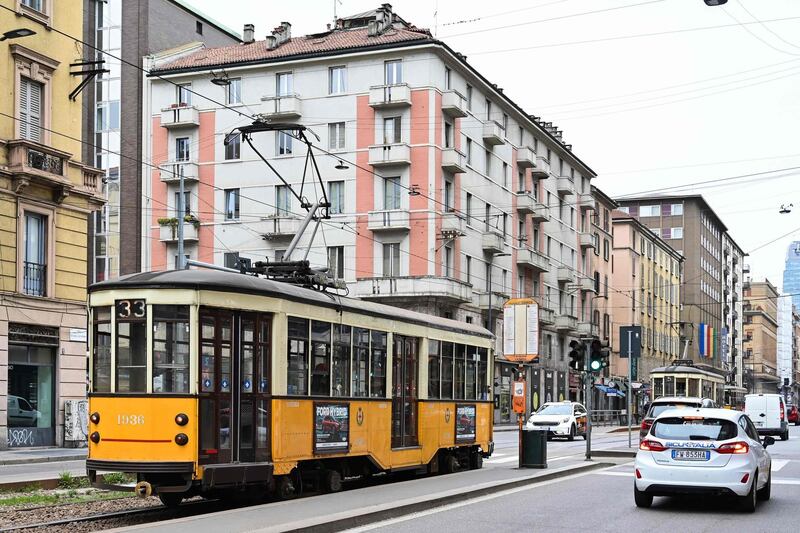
point(171, 348)
point(131, 356)
point(101, 365)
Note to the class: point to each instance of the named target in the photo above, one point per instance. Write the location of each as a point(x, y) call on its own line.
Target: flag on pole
point(701, 338)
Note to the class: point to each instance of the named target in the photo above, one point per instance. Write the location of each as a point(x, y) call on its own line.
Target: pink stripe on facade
point(520, 291)
point(418, 175)
point(365, 187)
point(205, 191)
point(158, 208)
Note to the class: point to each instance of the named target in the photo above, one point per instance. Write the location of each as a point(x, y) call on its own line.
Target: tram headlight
point(95, 437)
point(95, 418)
point(181, 439)
point(181, 419)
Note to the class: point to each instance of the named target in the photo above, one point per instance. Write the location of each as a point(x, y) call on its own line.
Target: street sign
point(518, 397)
point(630, 341)
point(521, 330)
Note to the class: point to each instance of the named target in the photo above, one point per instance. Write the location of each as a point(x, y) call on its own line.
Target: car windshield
point(555, 409)
point(659, 408)
point(693, 428)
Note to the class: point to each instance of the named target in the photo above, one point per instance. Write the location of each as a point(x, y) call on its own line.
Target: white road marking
point(788, 481)
point(504, 460)
point(622, 474)
point(777, 464)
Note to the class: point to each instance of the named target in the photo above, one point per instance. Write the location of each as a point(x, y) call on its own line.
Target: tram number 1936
point(130, 420)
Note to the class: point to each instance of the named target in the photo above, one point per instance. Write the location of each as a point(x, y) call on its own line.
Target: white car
point(562, 419)
point(703, 451)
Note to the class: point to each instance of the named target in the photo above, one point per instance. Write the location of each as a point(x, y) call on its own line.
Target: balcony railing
point(171, 171)
point(587, 329)
point(586, 240)
point(413, 287)
point(565, 186)
point(526, 157)
point(452, 224)
point(494, 301)
point(533, 259)
point(178, 116)
point(282, 107)
point(389, 220)
point(169, 232)
point(454, 104)
point(566, 323)
point(389, 154)
point(493, 133)
point(34, 281)
point(492, 242)
point(390, 95)
point(454, 160)
point(281, 227)
point(565, 275)
point(542, 168)
point(587, 201)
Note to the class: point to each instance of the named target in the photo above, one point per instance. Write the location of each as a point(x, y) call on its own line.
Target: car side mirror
point(768, 441)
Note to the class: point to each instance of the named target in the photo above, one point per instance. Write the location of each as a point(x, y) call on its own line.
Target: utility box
point(534, 449)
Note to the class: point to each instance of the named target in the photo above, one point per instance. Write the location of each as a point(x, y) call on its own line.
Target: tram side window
point(459, 371)
point(207, 370)
point(377, 387)
point(171, 348)
point(131, 356)
point(483, 369)
point(320, 358)
point(471, 378)
point(101, 364)
point(658, 387)
point(694, 387)
point(447, 370)
point(341, 361)
point(360, 361)
point(297, 373)
point(434, 361)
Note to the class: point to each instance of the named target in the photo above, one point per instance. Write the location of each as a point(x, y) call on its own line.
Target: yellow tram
point(684, 378)
point(205, 381)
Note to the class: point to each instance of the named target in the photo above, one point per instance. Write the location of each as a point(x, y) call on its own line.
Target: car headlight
point(565, 420)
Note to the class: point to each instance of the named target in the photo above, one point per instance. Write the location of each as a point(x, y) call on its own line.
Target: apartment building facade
point(712, 274)
point(47, 194)
point(446, 197)
point(647, 277)
point(791, 273)
point(112, 122)
point(761, 337)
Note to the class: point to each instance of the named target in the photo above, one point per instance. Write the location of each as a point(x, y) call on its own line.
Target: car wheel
point(641, 498)
point(765, 492)
point(748, 502)
point(785, 435)
point(571, 435)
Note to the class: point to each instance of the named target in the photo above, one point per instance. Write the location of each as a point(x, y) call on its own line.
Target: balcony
point(454, 160)
point(526, 203)
point(180, 116)
point(282, 107)
point(389, 220)
point(546, 316)
point(526, 157)
point(533, 259)
point(281, 227)
point(34, 280)
point(168, 232)
point(494, 301)
point(565, 186)
point(565, 275)
point(587, 329)
point(492, 242)
point(388, 96)
point(566, 323)
point(542, 168)
point(493, 133)
point(541, 213)
point(452, 224)
point(395, 288)
point(389, 154)
point(171, 171)
point(586, 284)
point(587, 202)
point(586, 240)
point(454, 105)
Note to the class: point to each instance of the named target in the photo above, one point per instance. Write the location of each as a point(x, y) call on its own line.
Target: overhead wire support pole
point(181, 219)
point(589, 385)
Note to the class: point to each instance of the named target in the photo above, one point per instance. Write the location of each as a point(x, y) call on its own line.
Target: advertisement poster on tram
point(465, 422)
point(331, 427)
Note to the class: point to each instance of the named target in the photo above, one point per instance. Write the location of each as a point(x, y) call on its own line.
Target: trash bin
point(534, 449)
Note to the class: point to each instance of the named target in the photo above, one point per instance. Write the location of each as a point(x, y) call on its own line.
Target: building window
point(31, 96)
point(391, 260)
point(677, 233)
point(198, 26)
point(284, 143)
point(233, 91)
point(677, 209)
point(187, 205)
point(184, 93)
point(393, 72)
point(231, 204)
point(469, 97)
point(233, 146)
point(232, 260)
point(448, 261)
point(336, 139)
point(284, 84)
point(488, 109)
point(449, 205)
point(35, 262)
point(34, 4)
point(488, 156)
point(171, 349)
point(469, 209)
point(391, 193)
point(337, 80)
point(182, 149)
point(448, 135)
point(447, 78)
point(469, 151)
point(336, 197)
point(391, 130)
point(282, 200)
point(336, 262)
point(649, 211)
point(605, 249)
point(468, 269)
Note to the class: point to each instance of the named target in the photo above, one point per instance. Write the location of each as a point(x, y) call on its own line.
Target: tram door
point(234, 387)
point(404, 391)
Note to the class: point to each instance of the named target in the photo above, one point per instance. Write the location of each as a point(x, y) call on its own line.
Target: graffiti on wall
point(21, 437)
point(76, 422)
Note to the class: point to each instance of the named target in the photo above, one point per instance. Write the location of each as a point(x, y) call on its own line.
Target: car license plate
point(691, 455)
point(759, 423)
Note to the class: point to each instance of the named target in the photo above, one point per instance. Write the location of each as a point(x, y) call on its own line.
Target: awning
point(610, 390)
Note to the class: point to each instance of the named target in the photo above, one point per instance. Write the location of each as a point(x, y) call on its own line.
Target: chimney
point(372, 28)
point(280, 35)
point(383, 19)
point(249, 34)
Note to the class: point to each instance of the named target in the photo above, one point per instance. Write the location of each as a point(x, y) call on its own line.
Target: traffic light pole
point(589, 384)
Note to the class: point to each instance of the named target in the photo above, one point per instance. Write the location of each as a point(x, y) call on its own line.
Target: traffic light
point(598, 356)
point(577, 355)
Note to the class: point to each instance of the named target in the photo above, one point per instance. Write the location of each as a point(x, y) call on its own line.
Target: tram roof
point(212, 280)
point(685, 369)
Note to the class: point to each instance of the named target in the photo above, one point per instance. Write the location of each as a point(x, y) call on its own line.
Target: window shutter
point(30, 110)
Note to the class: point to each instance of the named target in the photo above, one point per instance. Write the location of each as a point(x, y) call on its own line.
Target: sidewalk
point(596, 430)
point(40, 455)
point(41, 466)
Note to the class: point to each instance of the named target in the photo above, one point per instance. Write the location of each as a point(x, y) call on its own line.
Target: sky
point(650, 93)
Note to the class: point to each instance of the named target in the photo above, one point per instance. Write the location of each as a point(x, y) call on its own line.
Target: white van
point(768, 413)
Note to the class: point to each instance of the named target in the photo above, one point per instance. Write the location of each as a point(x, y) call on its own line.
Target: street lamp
point(16, 34)
point(715, 2)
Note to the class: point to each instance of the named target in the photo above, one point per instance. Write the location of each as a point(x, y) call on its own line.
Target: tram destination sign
point(331, 427)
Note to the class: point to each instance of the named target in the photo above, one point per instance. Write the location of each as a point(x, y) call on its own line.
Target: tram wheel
point(450, 464)
point(171, 499)
point(284, 489)
point(475, 460)
point(332, 481)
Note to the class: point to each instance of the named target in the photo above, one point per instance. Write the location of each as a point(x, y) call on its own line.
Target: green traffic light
point(595, 365)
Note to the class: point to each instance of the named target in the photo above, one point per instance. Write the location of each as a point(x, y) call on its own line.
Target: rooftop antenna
point(335, 18)
point(436, 19)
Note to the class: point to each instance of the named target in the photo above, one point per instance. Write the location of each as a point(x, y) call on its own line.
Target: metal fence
point(35, 279)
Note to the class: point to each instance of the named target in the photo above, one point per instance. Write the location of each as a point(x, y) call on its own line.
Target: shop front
point(31, 392)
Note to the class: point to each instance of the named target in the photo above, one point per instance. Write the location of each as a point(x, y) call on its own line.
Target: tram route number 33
point(131, 309)
point(130, 420)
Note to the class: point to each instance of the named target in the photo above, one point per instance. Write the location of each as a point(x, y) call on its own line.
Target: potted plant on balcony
point(173, 222)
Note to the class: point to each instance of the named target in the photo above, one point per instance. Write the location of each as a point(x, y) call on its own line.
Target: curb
point(614, 453)
point(47, 459)
point(371, 517)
